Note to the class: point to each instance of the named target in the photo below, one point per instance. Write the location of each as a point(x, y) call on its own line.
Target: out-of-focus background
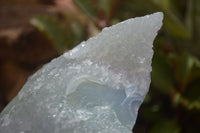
point(32, 32)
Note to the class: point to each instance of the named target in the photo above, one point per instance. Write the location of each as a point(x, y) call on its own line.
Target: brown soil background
point(22, 48)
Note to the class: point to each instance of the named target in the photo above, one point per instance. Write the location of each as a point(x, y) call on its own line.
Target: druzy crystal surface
point(97, 87)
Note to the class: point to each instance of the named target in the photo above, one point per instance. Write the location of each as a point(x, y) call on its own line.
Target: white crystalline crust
point(96, 87)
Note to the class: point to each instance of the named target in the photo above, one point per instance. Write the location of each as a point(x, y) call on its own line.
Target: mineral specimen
point(97, 87)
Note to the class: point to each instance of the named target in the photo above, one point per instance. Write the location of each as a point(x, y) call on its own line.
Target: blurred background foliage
point(173, 102)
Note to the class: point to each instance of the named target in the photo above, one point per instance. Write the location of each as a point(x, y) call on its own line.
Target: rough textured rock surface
point(96, 87)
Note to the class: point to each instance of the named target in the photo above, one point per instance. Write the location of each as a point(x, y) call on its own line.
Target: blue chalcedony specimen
point(96, 87)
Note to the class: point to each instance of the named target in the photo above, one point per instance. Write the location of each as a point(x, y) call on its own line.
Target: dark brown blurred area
point(22, 48)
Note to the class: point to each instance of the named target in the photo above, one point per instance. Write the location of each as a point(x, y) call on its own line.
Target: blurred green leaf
point(191, 102)
point(197, 21)
point(105, 5)
point(164, 4)
point(161, 73)
point(166, 126)
point(77, 33)
point(87, 7)
point(53, 30)
point(150, 114)
point(194, 104)
point(190, 16)
point(174, 26)
point(195, 72)
point(171, 21)
point(191, 94)
point(184, 65)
